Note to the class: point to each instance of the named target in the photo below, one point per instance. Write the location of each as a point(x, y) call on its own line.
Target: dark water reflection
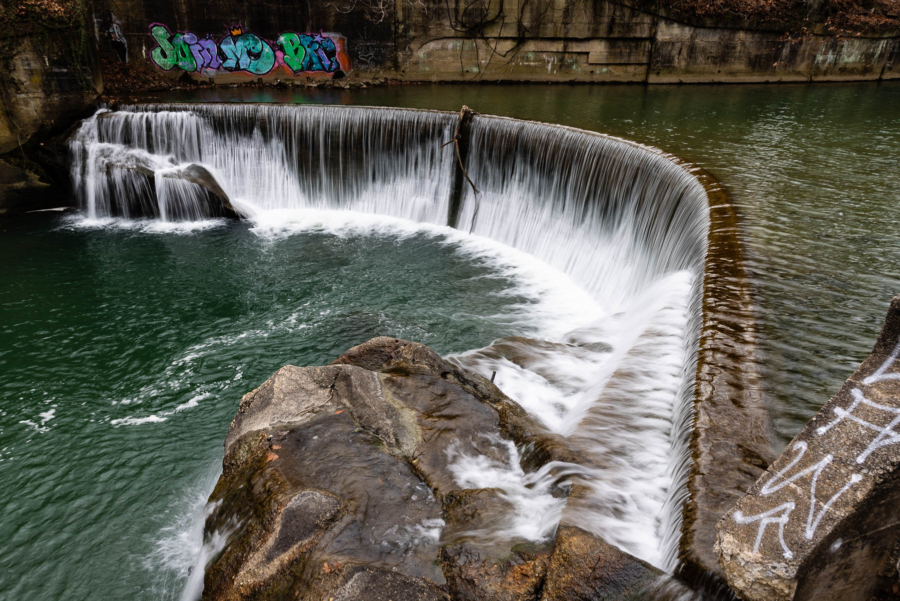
point(813, 170)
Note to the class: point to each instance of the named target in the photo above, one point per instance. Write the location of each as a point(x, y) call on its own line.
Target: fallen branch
point(455, 141)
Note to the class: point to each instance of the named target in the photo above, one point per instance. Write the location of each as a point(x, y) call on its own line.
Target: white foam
point(47, 416)
point(193, 402)
point(536, 511)
point(180, 551)
point(137, 421)
point(44, 417)
point(36, 427)
point(146, 226)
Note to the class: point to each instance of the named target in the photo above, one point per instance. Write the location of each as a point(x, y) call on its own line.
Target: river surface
point(125, 347)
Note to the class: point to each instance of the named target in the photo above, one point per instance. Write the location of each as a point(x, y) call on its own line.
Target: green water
point(109, 324)
point(100, 325)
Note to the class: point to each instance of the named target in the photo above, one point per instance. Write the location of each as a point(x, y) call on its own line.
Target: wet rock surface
point(343, 482)
point(474, 573)
point(585, 568)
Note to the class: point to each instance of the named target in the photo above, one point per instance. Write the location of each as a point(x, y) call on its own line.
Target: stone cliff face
point(49, 77)
point(341, 482)
point(49, 67)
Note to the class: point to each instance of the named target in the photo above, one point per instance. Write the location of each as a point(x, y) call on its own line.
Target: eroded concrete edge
point(824, 521)
point(731, 440)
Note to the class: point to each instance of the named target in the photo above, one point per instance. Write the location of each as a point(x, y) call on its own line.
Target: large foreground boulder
point(344, 482)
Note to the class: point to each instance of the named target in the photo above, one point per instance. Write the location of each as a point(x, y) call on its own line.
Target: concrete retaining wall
point(731, 438)
point(823, 522)
point(491, 40)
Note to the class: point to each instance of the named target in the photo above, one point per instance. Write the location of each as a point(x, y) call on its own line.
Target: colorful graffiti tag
point(240, 51)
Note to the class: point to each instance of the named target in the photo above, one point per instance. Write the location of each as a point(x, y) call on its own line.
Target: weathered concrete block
point(823, 522)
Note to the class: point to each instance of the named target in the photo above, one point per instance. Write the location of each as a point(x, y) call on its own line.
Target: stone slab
point(823, 521)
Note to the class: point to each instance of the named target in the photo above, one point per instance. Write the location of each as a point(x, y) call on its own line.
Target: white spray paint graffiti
point(779, 481)
point(886, 436)
point(880, 374)
point(800, 447)
point(765, 519)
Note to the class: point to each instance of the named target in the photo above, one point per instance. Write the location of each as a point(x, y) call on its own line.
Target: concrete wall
point(823, 522)
point(502, 40)
point(690, 54)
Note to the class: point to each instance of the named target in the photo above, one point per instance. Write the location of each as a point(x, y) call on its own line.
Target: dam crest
point(629, 225)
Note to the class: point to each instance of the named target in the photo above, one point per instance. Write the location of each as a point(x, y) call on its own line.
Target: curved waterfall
point(623, 222)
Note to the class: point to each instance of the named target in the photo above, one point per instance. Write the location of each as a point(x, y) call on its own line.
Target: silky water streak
point(624, 223)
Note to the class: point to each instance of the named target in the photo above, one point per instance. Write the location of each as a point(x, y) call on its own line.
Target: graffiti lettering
point(778, 515)
point(308, 52)
point(881, 373)
point(294, 52)
point(172, 50)
point(206, 52)
point(241, 51)
point(885, 435)
point(246, 52)
point(779, 481)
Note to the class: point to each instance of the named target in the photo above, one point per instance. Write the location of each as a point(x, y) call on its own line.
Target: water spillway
point(613, 372)
point(268, 158)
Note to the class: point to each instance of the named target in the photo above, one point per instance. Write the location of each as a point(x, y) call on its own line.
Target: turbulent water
point(614, 233)
point(126, 346)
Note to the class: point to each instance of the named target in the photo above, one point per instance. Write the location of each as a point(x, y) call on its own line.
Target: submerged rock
point(354, 481)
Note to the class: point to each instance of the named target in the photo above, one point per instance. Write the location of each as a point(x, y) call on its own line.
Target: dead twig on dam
point(463, 114)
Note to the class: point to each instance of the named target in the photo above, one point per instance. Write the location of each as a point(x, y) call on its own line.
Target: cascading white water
point(623, 222)
point(269, 158)
point(629, 226)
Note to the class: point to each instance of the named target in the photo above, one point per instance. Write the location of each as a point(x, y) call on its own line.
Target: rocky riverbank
point(346, 482)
